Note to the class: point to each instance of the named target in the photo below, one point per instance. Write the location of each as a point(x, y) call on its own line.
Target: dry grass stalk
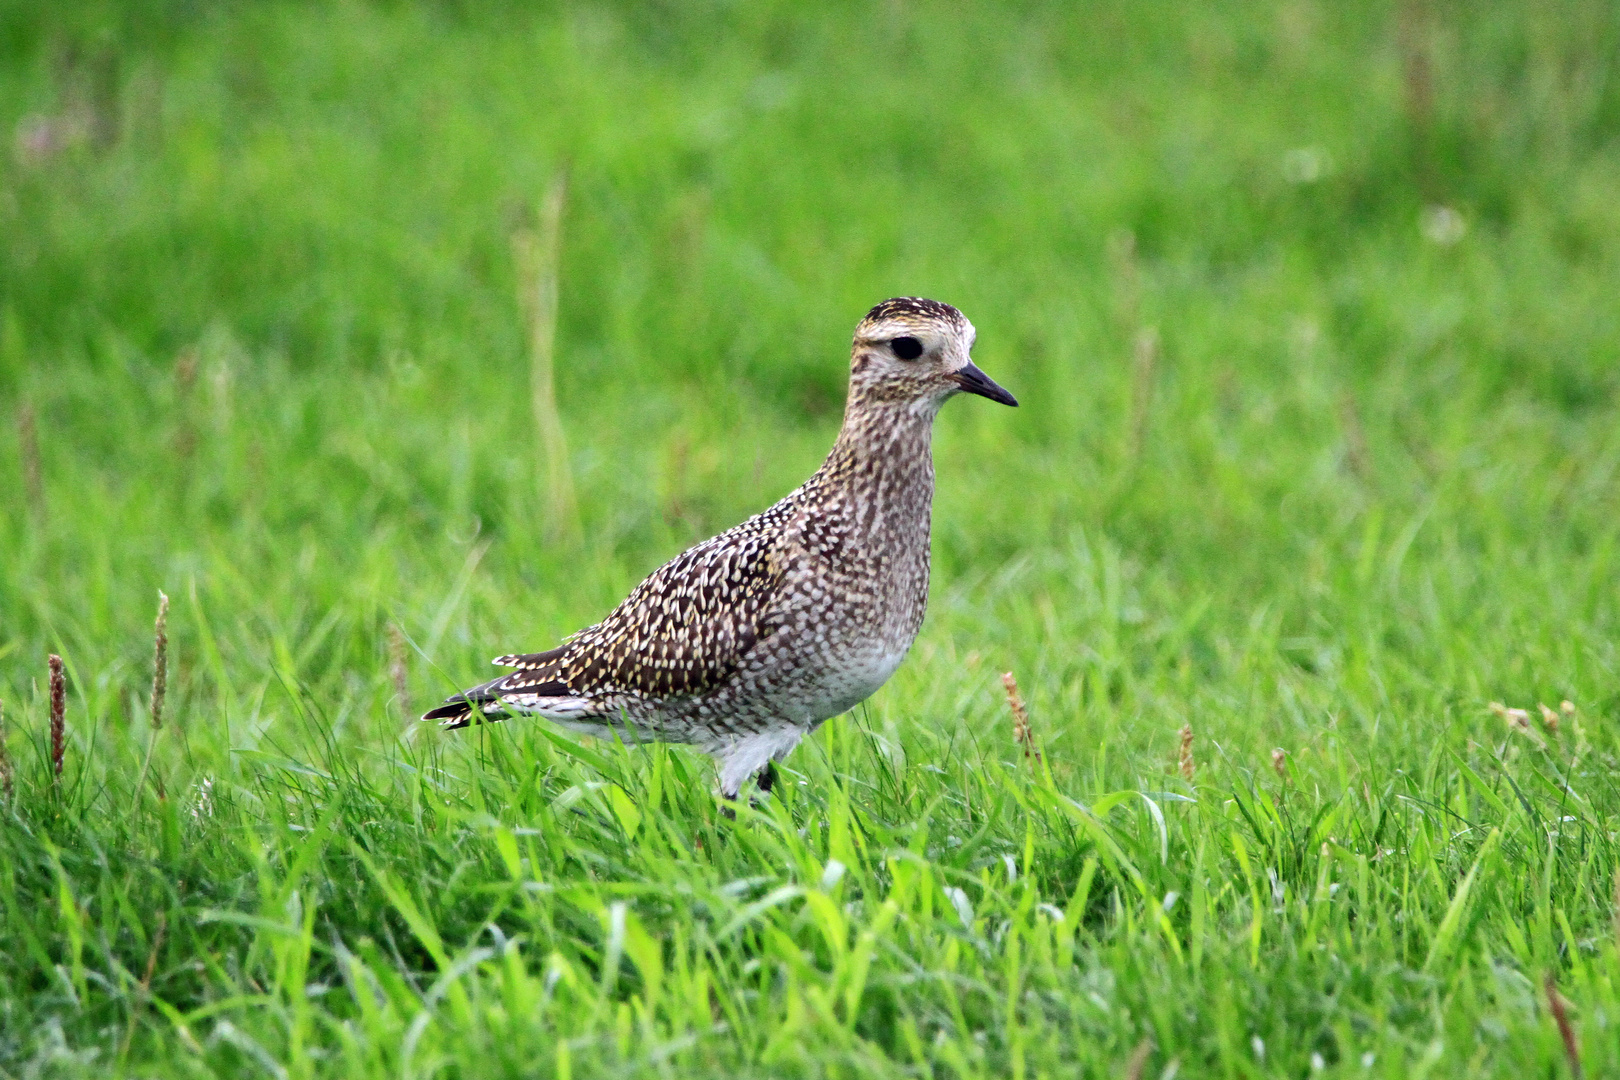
point(399, 670)
point(160, 660)
point(1416, 70)
point(28, 444)
point(185, 377)
point(1022, 734)
point(1127, 276)
point(7, 779)
point(58, 715)
point(1566, 1030)
point(536, 253)
point(1145, 339)
point(146, 979)
point(1412, 36)
point(1138, 1060)
point(151, 957)
point(1188, 765)
point(680, 456)
point(1355, 436)
point(1144, 367)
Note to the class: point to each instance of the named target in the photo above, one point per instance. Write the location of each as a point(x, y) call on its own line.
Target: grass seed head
point(1188, 765)
point(160, 660)
point(1279, 762)
point(58, 714)
point(1518, 720)
point(1549, 717)
point(1022, 735)
point(5, 758)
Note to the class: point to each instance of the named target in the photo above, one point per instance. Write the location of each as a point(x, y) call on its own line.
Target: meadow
point(1311, 505)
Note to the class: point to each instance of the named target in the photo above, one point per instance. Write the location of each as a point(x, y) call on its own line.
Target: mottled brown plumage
point(746, 642)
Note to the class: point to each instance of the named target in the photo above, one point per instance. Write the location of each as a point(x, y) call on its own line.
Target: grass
point(1311, 311)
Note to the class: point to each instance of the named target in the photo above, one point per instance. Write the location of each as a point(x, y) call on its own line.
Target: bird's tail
point(536, 675)
point(468, 707)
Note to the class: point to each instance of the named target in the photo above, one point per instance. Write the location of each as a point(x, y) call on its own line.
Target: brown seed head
point(1022, 735)
point(1188, 766)
point(5, 758)
point(58, 714)
point(160, 659)
point(1279, 762)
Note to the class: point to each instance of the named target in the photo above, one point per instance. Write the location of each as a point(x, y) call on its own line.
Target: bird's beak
point(974, 381)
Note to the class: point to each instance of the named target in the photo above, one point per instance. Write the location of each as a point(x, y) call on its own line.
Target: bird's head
point(914, 351)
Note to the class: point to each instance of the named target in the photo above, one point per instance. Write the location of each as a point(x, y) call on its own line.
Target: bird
point(746, 643)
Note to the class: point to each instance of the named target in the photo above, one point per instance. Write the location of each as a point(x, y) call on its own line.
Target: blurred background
point(1311, 308)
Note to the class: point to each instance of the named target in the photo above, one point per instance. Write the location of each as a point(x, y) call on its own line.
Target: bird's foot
point(764, 780)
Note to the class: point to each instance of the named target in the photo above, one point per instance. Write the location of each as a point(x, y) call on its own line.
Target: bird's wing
point(682, 632)
point(685, 630)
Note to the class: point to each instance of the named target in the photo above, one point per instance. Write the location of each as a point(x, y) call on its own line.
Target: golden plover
point(747, 642)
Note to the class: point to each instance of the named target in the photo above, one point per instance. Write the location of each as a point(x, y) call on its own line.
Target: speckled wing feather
point(682, 632)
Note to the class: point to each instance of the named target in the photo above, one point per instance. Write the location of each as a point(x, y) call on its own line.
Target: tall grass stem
point(28, 446)
point(1144, 372)
point(537, 254)
point(1566, 1029)
point(399, 670)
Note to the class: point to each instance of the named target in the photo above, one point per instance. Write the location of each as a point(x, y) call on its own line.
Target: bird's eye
point(906, 348)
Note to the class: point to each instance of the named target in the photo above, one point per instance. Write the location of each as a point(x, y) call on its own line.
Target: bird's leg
point(764, 780)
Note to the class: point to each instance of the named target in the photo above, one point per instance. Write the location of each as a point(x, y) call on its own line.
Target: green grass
point(256, 291)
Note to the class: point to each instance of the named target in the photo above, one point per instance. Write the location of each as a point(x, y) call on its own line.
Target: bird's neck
point(885, 444)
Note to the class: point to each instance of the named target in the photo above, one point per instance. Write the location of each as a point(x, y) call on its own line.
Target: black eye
point(906, 348)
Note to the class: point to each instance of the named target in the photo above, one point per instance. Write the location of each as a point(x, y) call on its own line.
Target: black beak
point(974, 381)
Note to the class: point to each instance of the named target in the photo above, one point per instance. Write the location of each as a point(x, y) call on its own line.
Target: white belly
point(842, 687)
